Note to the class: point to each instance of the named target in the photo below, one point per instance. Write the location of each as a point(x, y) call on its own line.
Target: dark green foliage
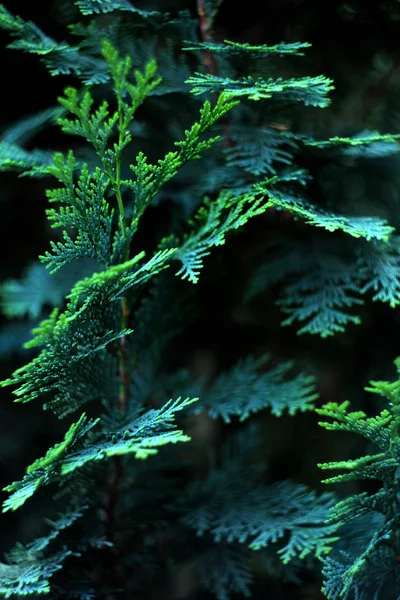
point(37, 288)
point(374, 563)
point(245, 390)
point(224, 568)
point(310, 90)
point(30, 567)
point(151, 181)
point(225, 516)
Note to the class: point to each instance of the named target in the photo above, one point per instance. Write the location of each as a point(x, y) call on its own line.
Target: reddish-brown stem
point(116, 466)
point(123, 361)
point(111, 499)
point(209, 60)
point(117, 472)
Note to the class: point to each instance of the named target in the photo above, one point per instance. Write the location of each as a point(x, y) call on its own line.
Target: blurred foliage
point(353, 42)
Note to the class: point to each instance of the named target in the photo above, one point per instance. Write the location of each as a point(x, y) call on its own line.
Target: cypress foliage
point(174, 145)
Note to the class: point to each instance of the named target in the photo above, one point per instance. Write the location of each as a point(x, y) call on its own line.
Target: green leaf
point(151, 178)
point(39, 472)
point(368, 144)
point(211, 224)
point(32, 163)
point(250, 387)
point(29, 568)
point(59, 57)
point(378, 267)
point(37, 288)
point(365, 227)
point(381, 431)
point(311, 91)
point(281, 512)
point(142, 438)
point(248, 51)
point(90, 7)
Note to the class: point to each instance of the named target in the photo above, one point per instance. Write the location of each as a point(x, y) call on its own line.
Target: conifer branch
point(255, 168)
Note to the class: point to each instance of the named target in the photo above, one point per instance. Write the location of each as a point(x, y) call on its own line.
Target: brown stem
point(111, 500)
point(112, 484)
point(209, 60)
point(123, 361)
point(116, 466)
point(205, 26)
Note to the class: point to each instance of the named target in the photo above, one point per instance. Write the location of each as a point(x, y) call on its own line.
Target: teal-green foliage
point(112, 302)
point(372, 566)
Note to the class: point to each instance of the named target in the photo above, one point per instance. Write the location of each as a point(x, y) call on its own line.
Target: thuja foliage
point(368, 567)
point(133, 501)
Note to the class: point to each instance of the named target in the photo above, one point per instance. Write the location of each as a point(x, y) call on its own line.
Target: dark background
point(356, 43)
